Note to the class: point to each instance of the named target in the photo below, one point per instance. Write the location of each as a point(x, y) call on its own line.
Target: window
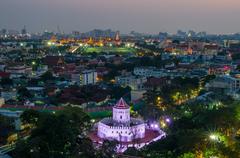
point(120, 116)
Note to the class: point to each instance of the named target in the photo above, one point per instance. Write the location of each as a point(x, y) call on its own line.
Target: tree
point(84, 148)
point(155, 103)
point(187, 155)
point(30, 116)
point(118, 92)
point(56, 135)
point(6, 82)
point(6, 126)
point(132, 151)
point(24, 93)
point(208, 78)
point(47, 76)
point(108, 149)
point(111, 75)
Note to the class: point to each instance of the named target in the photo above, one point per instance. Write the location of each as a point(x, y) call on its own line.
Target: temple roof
point(121, 104)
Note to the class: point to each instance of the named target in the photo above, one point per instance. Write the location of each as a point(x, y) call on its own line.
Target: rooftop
point(121, 104)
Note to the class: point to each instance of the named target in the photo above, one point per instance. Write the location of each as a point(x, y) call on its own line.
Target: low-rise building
point(52, 61)
point(224, 84)
point(136, 83)
point(144, 71)
point(2, 101)
point(85, 77)
point(17, 71)
point(9, 94)
point(4, 75)
point(2, 66)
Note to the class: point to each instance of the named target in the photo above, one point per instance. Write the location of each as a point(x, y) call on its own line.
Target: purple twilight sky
point(150, 16)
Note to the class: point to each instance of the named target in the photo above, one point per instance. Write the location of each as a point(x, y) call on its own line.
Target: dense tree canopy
point(6, 82)
point(6, 127)
point(55, 135)
point(24, 93)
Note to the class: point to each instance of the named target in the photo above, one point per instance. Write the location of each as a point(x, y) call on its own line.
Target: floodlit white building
point(121, 127)
point(127, 131)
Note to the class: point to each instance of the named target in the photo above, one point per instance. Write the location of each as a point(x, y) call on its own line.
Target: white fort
point(121, 126)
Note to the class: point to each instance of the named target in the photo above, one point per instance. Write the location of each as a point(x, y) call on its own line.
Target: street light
point(213, 137)
point(168, 120)
point(163, 124)
point(92, 120)
point(49, 43)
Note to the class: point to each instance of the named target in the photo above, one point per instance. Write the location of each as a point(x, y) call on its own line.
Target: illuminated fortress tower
point(127, 131)
point(121, 112)
point(121, 127)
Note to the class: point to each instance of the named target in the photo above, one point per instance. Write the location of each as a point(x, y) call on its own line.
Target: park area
point(121, 50)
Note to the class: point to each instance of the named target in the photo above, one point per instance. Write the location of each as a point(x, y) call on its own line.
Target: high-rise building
point(191, 33)
point(24, 30)
point(163, 35)
point(3, 32)
point(181, 33)
point(13, 32)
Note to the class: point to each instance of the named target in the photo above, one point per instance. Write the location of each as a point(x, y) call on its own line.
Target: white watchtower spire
point(121, 112)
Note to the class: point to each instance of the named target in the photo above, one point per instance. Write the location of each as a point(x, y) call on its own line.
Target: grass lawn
point(100, 114)
point(108, 49)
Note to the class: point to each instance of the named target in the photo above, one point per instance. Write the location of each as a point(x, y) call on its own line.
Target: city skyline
point(126, 78)
point(150, 16)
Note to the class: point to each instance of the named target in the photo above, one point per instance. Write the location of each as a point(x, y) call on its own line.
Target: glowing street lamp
point(163, 124)
point(168, 120)
point(154, 126)
point(213, 137)
point(93, 120)
point(49, 43)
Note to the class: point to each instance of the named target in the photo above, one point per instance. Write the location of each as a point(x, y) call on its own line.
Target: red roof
point(53, 60)
point(212, 47)
point(4, 75)
point(150, 135)
point(121, 104)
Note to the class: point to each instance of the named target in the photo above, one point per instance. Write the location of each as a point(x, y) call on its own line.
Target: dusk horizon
point(119, 79)
point(152, 16)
